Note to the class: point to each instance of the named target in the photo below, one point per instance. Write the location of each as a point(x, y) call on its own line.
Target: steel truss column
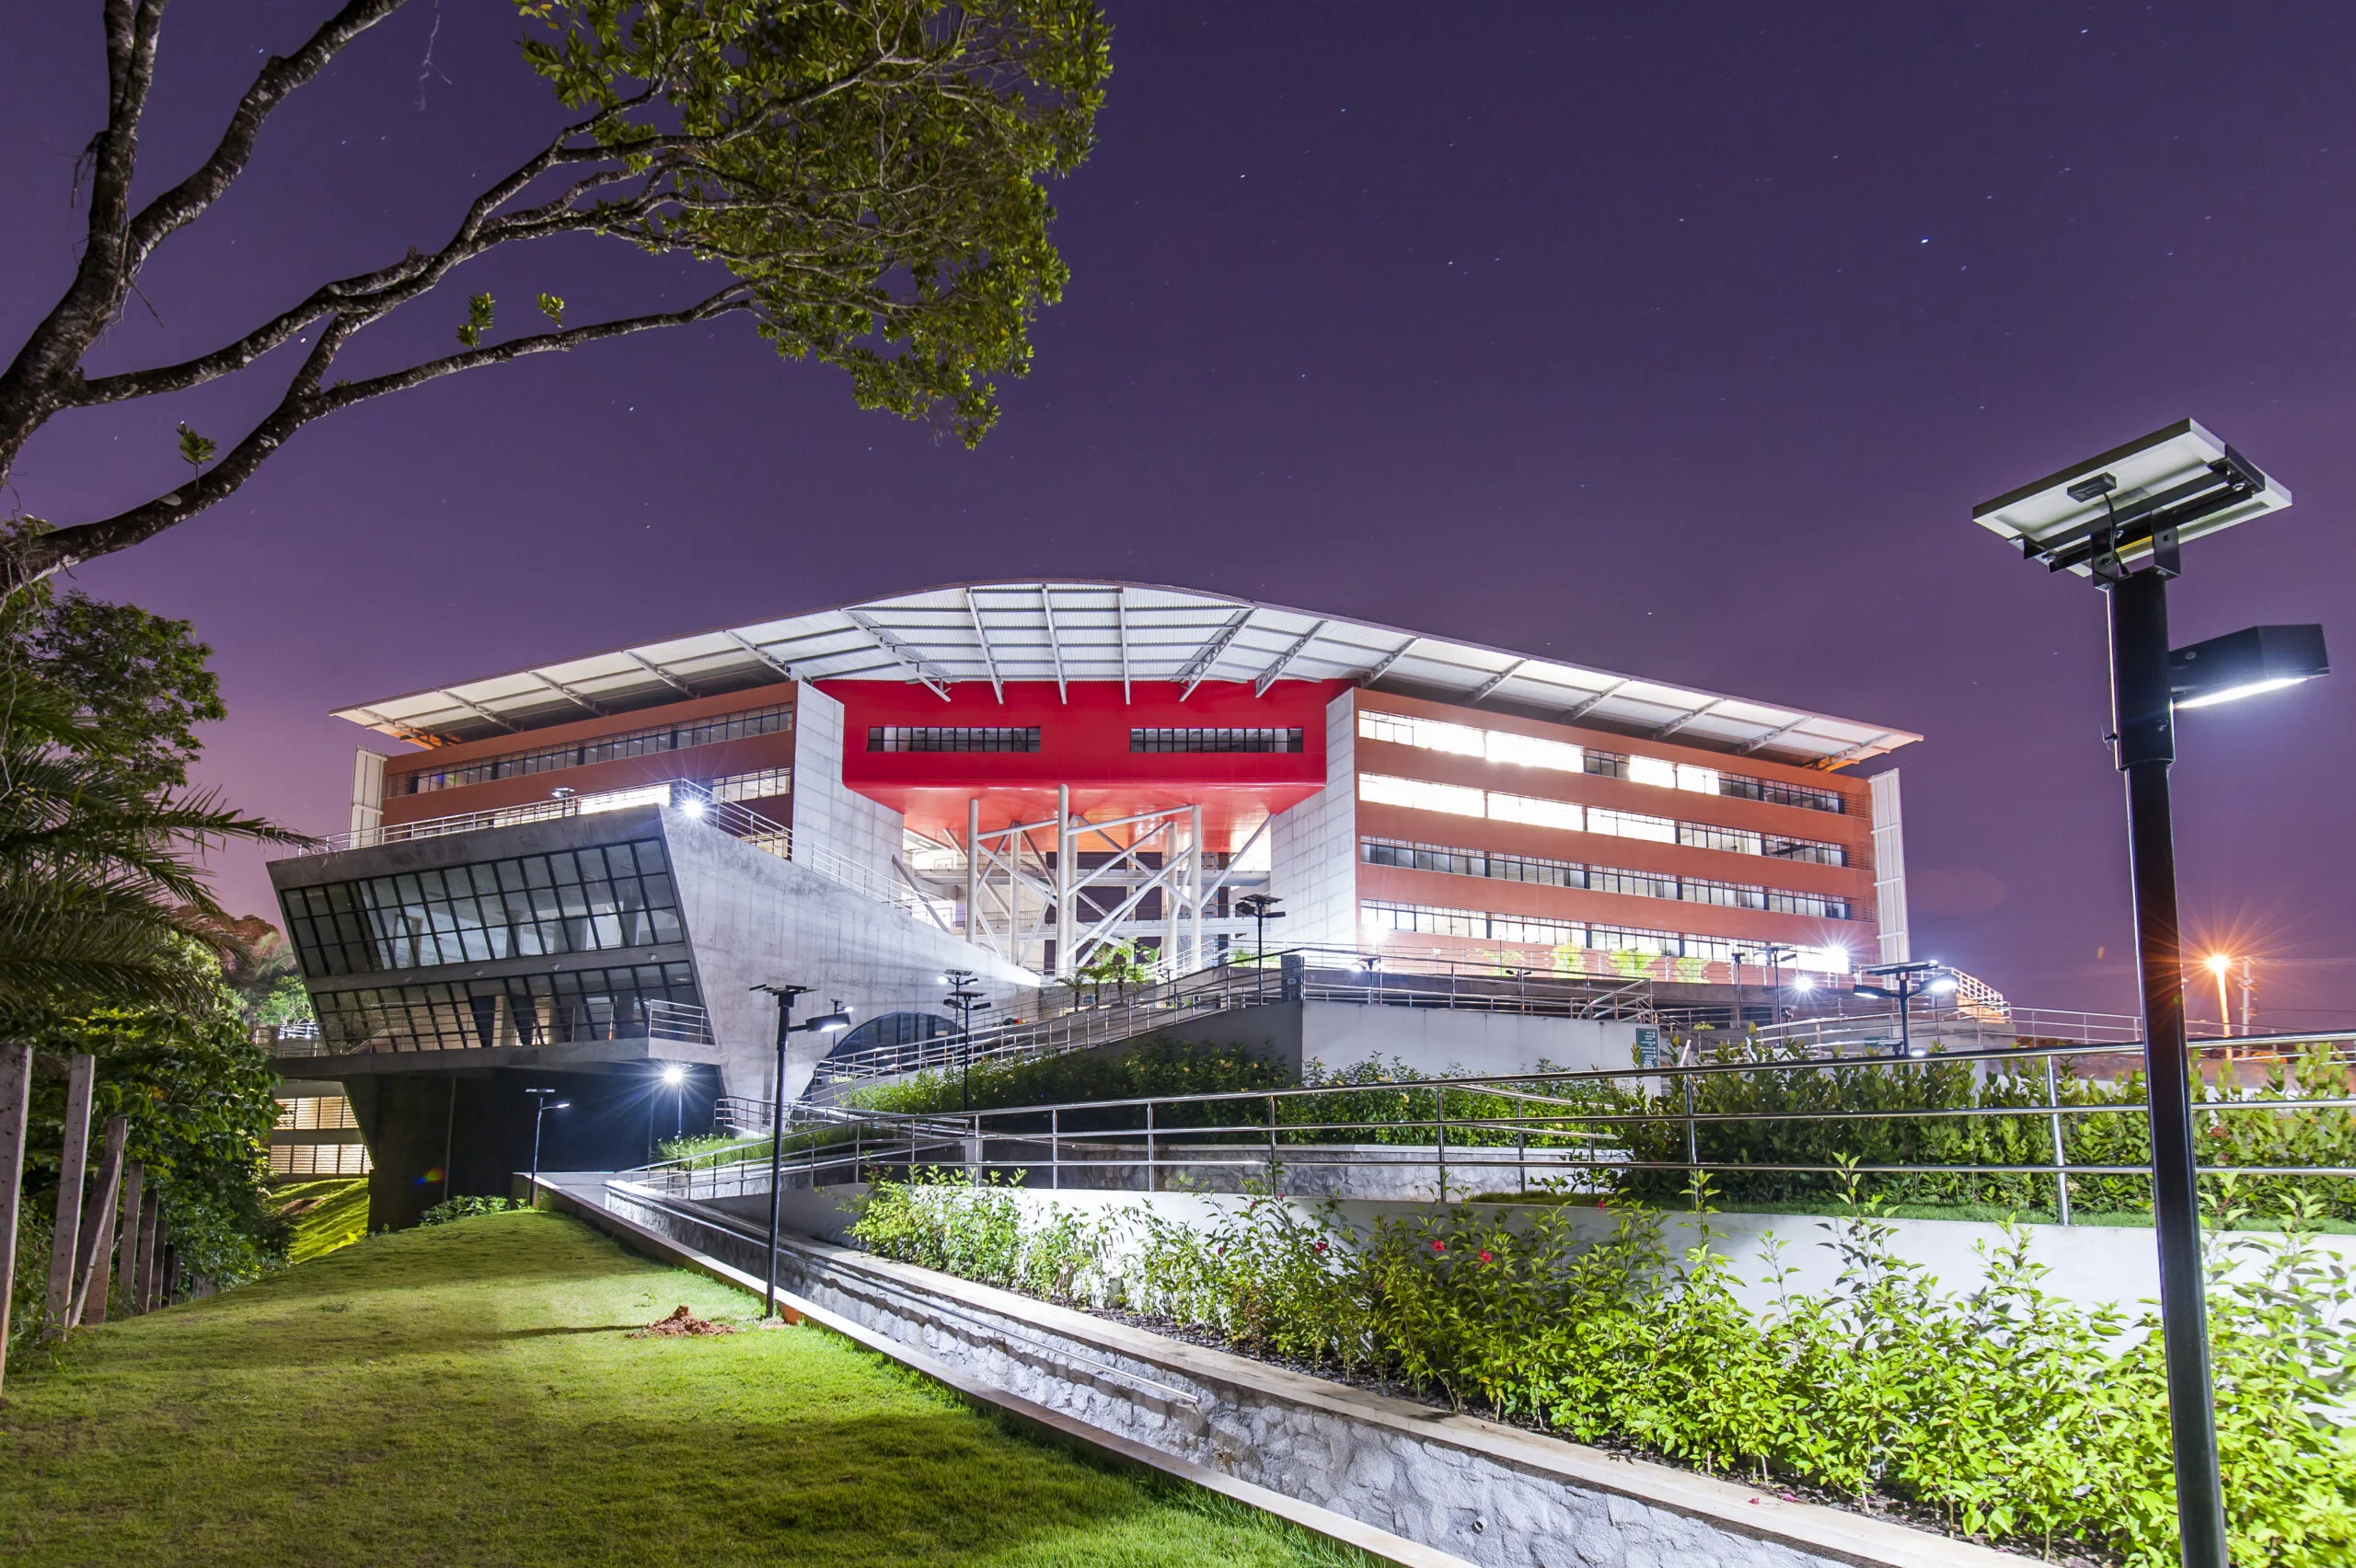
point(975, 929)
point(1067, 883)
point(1194, 885)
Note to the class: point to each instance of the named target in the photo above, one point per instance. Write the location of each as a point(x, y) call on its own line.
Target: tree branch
point(42, 555)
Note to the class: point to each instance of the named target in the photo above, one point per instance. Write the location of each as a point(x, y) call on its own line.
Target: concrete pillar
point(16, 1098)
point(74, 1159)
point(94, 1257)
point(973, 869)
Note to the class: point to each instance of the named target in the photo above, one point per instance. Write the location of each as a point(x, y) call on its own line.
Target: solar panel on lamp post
point(2121, 520)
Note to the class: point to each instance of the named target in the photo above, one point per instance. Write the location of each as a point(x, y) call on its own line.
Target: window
point(606, 748)
point(1640, 884)
point(1804, 850)
point(1527, 751)
point(768, 784)
point(1823, 905)
point(1775, 794)
point(309, 1114)
point(1652, 771)
point(1464, 740)
point(1416, 794)
point(1732, 896)
point(1214, 741)
point(1702, 836)
point(1530, 868)
point(1698, 781)
point(908, 738)
point(619, 895)
point(319, 1159)
point(622, 1003)
point(1607, 765)
point(1424, 921)
point(1629, 824)
point(1538, 812)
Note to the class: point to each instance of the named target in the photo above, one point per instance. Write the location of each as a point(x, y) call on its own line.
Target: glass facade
point(606, 748)
point(1505, 745)
point(625, 1002)
point(600, 899)
point(1483, 926)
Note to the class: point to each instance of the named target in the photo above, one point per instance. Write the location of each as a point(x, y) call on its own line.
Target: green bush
point(450, 1210)
point(2013, 1413)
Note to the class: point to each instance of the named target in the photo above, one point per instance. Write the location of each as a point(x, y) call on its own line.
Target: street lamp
point(540, 1107)
point(2138, 506)
point(2218, 963)
point(1906, 982)
point(965, 998)
point(832, 1022)
point(674, 1079)
point(1262, 908)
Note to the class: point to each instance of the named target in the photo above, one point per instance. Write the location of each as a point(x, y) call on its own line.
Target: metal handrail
point(1566, 1142)
point(673, 1022)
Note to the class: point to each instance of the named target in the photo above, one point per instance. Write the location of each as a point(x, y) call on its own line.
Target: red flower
point(1440, 1246)
point(1484, 1256)
point(1321, 1246)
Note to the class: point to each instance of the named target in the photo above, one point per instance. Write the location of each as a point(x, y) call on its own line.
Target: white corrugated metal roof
point(997, 632)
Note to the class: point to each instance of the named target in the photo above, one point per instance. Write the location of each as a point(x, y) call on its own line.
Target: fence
point(1573, 1131)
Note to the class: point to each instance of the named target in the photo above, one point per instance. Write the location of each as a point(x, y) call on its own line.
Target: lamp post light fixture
point(2218, 963)
point(2121, 520)
point(1905, 982)
point(674, 1079)
point(540, 1107)
point(1262, 908)
point(963, 997)
point(832, 1022)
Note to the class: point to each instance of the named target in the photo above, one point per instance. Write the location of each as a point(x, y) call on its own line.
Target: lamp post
point(2218, 963)
point(785, 1026)
point(674, 1079)
point(540, 1107)
point(2139, 504)
point(964, 999)
point(1905, 982)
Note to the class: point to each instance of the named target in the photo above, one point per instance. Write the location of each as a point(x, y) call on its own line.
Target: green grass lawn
point(326, 1213)
point(466, 1395)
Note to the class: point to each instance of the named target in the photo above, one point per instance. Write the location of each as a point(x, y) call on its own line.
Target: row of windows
point(1503, 745)
point(1216, 739)
point(606, 748)
point(1461, 800)
point(1481, 926)
point(520, 1009)
point(1596, 879)
point(916, 738)
point(619, 895)
point(319, 1159)
point(309, 1112)
point(768, 784)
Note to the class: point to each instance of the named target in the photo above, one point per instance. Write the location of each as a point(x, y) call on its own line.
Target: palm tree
point(102, 902)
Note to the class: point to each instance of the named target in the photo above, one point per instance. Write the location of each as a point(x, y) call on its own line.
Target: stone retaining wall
point(1488, 1494)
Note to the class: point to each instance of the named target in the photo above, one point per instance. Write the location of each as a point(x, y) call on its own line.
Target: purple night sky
point(1677, 345)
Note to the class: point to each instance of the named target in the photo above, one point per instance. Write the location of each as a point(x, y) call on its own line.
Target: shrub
point(2012, 1412)
point(450, 1210)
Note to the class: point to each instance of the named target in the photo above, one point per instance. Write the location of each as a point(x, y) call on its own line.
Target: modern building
point(578, 874)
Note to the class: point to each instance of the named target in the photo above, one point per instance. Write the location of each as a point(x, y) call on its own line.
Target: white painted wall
point(1313, 858)
point(828, 815)
point(1889, 868)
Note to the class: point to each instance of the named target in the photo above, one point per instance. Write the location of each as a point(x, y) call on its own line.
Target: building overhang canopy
point(994, 633)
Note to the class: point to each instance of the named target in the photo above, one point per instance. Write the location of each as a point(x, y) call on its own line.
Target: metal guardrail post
point(1439, 1125)
point(1276, 1183)
point(1693, 1144)
point(2060, 1150)
point(1056, 1149)
point(1521, 1156)
point(1152, 1170)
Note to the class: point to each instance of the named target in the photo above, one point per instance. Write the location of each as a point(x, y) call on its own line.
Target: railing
point(689, 797)
point(653, 1019)
point(1347, 976)
point(1930, 1019)
point(1571, 1132)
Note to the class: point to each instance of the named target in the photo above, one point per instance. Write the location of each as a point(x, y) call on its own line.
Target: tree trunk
point(16, 1098)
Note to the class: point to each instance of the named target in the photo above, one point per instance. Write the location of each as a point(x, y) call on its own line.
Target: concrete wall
point(755, 919)
point(1313, 849)
point(828, 815)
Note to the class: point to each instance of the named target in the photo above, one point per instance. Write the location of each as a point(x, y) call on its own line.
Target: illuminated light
point(2218, 962)
point(674, 1075)
point(1804, 982)
point(1824, 960)
point(693, 810)
point(1940, 987)
point(2235, 694)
